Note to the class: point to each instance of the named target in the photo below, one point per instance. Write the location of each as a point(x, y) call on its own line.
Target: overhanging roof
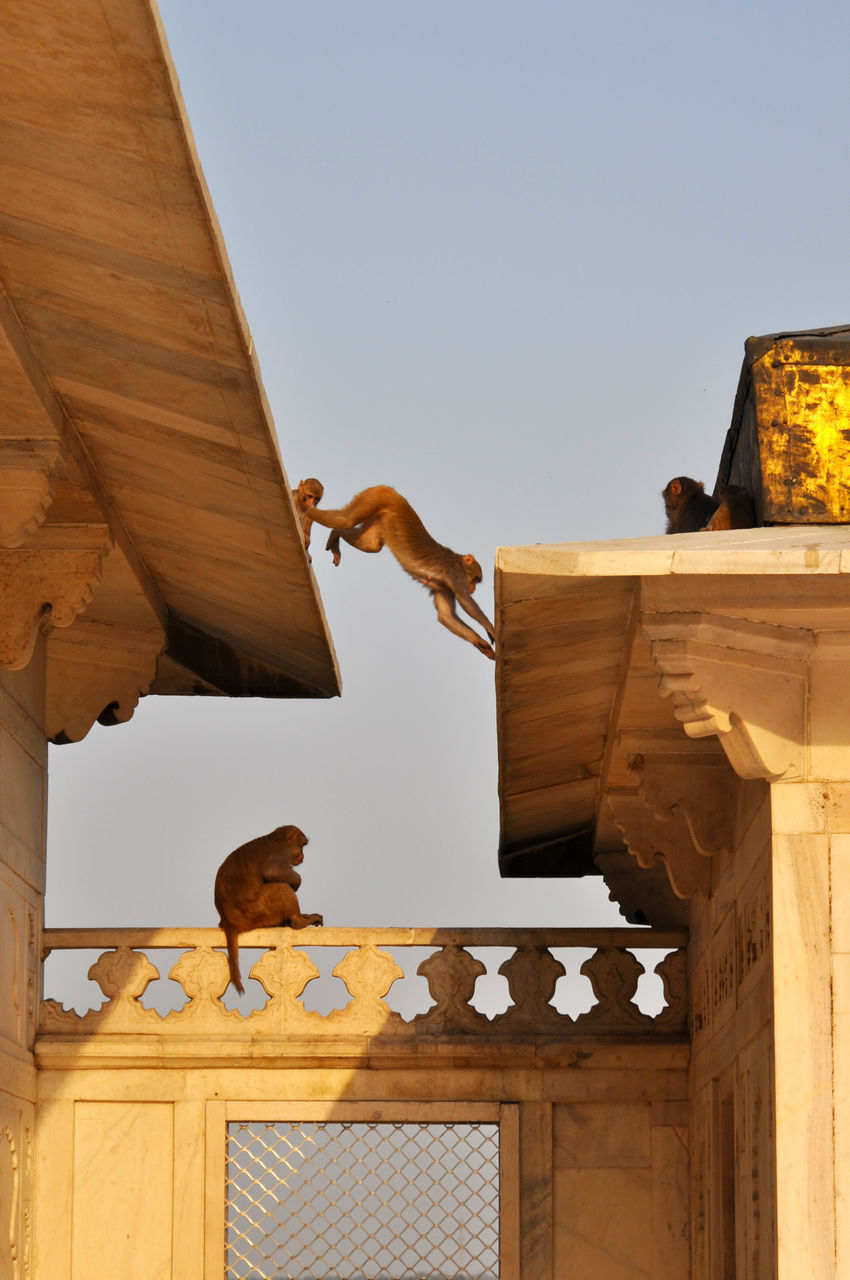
point(575, 683)
point(132, 405)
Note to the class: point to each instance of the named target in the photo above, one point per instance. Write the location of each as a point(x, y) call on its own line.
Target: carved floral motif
point(451, 974)
point(368, 974)
point(123, 976)
point(283, 974)
point(532, 974)
point(614, 976)
point(673, 971)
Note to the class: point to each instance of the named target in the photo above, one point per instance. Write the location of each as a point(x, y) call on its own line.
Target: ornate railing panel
point(368, 970)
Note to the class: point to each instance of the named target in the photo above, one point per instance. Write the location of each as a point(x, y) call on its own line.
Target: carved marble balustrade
point(125, 1022)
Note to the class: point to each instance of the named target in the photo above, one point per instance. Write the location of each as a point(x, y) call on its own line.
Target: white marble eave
point(793, 549)
point(565, 622)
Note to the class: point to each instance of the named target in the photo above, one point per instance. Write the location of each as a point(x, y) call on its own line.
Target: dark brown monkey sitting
point(380, 516)
point(306, 495)
point(688, 506)
point(255, 889)
point(736, 510)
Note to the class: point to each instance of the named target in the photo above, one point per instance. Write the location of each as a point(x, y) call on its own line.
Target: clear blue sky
point(503, 257)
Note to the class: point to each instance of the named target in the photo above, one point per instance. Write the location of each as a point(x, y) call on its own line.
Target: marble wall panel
point(123, 1190)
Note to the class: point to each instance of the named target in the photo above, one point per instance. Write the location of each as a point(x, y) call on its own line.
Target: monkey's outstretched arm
point(469, 606)
point(445, 605)
point(363, 506)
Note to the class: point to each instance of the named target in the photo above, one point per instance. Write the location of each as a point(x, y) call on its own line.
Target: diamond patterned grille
point(358, 1201)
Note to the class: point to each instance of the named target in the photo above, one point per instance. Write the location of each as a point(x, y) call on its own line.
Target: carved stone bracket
point(47, 584)
point(742, 681)
point(97, 671)
point(697, 786)
point(680, 813)
point(668, 841)
point(28, 473)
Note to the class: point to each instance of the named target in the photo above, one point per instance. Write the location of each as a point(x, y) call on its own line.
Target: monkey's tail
point(232, 936)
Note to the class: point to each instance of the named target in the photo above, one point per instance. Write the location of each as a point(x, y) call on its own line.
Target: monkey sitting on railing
point(255, 889)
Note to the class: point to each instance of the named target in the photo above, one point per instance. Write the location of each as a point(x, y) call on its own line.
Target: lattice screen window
point(336, 1200)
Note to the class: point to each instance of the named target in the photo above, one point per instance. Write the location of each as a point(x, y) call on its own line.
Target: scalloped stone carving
point(673, 971)
point(451, 974)
point(284, 972)
point(30, 465)
point(123, 976)
point(368, 974)
point(532, 974)
point(203, 974)
point(614, 976)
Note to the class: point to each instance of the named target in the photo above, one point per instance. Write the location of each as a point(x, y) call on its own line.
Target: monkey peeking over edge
point(306, 495)
point(379, 516)
point(689, 509)
point(255, 889)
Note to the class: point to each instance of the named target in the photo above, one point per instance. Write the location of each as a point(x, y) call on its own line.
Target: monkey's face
point(310, 492)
